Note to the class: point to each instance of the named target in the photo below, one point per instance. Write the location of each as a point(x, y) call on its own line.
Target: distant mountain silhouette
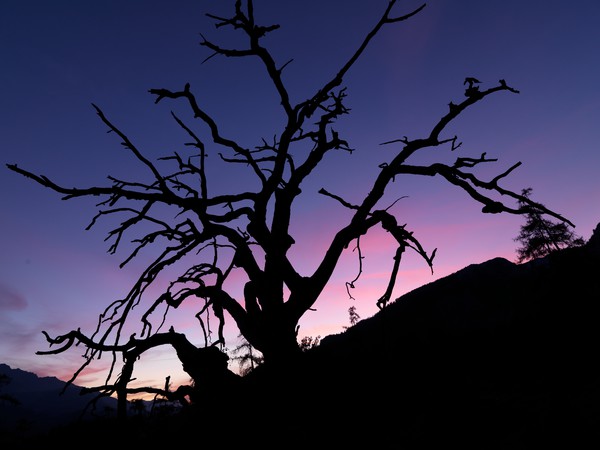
point(39, 406)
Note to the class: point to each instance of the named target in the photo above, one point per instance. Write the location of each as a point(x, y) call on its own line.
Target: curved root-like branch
point(205, 365)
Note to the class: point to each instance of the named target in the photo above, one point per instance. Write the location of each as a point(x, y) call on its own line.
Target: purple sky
point(59, 57)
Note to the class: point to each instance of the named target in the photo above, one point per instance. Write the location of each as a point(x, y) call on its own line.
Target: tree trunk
point(274, 334)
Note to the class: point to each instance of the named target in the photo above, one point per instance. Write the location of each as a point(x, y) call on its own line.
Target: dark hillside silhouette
point(495, 356)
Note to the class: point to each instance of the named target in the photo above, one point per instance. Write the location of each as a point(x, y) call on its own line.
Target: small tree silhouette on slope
point(540, 236)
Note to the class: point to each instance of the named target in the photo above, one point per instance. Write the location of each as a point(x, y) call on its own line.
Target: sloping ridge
point(496, 355)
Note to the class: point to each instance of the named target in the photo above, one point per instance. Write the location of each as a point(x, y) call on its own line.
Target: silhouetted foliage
point(308, 342)
point(540, 236)
point(248, 357)
point(210, 235)
point(352, 316)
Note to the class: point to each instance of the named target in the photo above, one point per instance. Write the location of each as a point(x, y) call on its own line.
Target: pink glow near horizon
point(332, 308)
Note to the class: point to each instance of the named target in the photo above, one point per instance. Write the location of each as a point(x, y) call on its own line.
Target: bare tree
point(540, 236)
point(249, 231)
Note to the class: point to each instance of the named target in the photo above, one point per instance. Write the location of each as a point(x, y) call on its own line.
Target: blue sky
point(60, 57)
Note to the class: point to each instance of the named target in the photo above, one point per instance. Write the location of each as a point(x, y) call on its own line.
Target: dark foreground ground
point(496, 356)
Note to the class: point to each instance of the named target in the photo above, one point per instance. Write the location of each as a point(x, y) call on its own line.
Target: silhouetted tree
point(540, 236)
point(309, 342)
point(247, 232)
point(353, 316)
point(248, 358)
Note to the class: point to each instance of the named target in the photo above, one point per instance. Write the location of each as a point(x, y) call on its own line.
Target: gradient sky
point(58, 57)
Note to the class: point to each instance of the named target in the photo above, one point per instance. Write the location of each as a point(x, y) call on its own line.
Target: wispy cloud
point(16, 337)
point(10, 299)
